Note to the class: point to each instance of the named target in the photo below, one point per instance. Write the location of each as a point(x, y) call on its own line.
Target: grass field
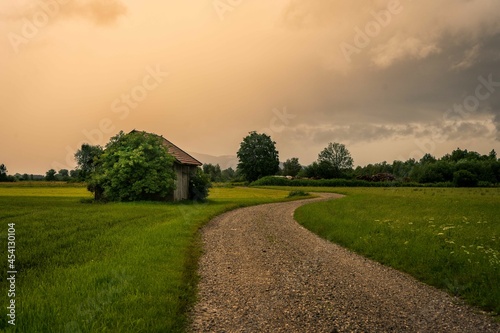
point(130, 267)
point(449, 238)
point(123, 267)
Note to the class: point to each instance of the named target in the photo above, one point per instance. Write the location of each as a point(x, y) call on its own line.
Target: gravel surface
point(263, 272)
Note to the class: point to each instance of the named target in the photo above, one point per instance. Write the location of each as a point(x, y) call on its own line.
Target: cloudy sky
point(389, 79)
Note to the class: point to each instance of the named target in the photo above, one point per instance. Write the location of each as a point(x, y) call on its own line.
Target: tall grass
point(449, 238)
point(124, 267)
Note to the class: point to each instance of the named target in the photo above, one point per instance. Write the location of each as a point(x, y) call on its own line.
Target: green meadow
point(131, 267)
point(118, 267)
point(448, 238)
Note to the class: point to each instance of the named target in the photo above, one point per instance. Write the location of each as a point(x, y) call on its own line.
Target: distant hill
point(225, 161)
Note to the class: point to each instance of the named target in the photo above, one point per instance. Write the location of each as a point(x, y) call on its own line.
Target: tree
point(3, 172)
point(440, 171)
point(134, 166)
point(258, 156)
point(50, 175)
point(492, 155)
point(292, 167)
point(403, 169)
point(213, 171)
point(228, 175)
point(326, 171)
point(458, 154)
point(85, 158)
point(427, 158)
point(63, 174)
point(75, 174)
point(337, 157)
point(311, 171)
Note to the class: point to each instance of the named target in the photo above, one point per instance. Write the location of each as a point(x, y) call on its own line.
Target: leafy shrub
point(134, 166)
point(298, 194)
point(464, 178)
point(199, 185)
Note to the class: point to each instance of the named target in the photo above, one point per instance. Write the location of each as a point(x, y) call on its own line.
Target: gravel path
point(263, 272)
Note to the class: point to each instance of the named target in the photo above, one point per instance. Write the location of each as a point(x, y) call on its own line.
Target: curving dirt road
point(263, 272)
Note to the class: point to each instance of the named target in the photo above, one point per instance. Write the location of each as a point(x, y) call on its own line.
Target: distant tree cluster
point(461, 168)
point(258, 158)
point(62, 175)
point(291, 167)
point(334, 161)
point(51, 175)
point(217, 175)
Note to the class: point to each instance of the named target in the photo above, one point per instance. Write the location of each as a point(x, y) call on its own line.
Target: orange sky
point(390, 79)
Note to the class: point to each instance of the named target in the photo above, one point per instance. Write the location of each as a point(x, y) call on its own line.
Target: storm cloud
point(421, 60)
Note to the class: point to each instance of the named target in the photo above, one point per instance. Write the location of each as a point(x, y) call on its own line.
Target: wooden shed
point(184, 165)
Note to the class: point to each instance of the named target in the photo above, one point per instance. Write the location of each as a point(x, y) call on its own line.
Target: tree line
point(64, 175)
point(259, 158)
point(460, 168)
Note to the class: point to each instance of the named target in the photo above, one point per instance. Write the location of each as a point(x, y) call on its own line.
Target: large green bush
point(134, 166)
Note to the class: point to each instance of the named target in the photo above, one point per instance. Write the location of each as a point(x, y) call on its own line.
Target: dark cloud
point(360, 132)
point(418, 68)
point(368, 133)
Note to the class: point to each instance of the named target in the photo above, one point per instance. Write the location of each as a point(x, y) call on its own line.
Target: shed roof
point(180, 155)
